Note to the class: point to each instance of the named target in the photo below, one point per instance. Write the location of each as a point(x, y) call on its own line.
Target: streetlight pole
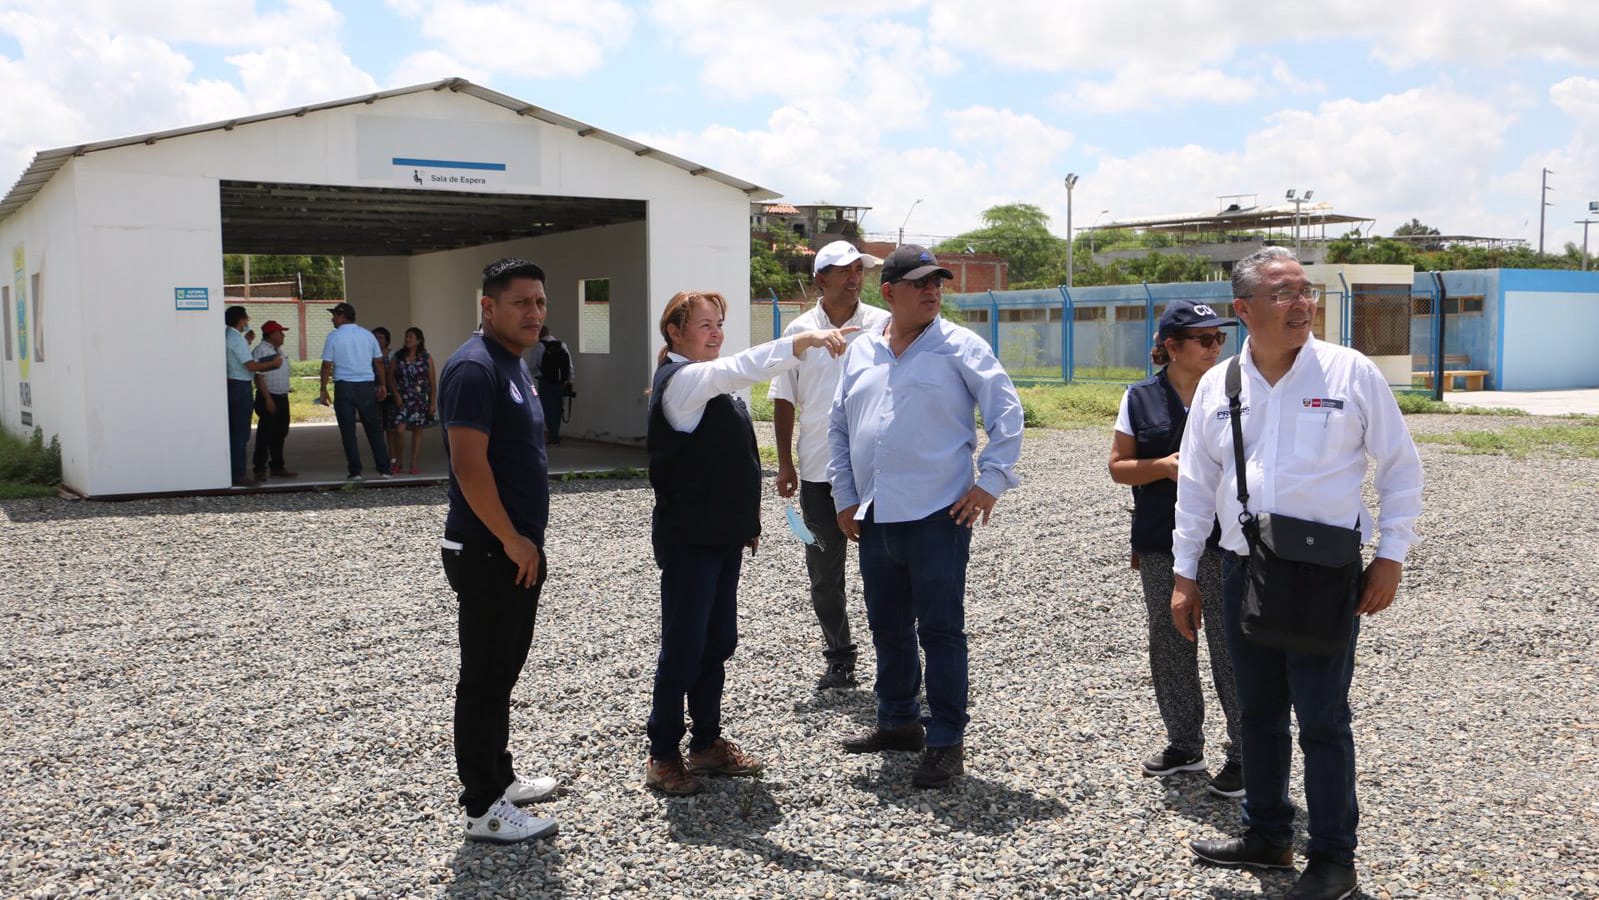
point(1543, 206)
point(1585, 223)
point(1071, 182)
point(1297, 201)
point(1094, 231)
point(907, 220)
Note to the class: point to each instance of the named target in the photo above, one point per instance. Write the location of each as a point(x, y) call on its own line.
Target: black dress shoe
point(1324, 879)
point(908, 737)
point(939, 766)
point(1249, 850)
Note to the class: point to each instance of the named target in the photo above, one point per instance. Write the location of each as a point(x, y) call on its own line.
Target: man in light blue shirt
point(901, 441)
point(352, 357)
point(240, 366)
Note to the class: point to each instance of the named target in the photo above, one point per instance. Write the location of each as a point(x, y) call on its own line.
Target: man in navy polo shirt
point(493, 542)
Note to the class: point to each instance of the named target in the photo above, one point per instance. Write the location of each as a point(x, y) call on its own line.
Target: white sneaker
point(524, 791)
point(505, 824)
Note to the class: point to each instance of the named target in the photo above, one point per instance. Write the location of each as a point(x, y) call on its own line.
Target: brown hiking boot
point(723, 757)
point(670, 776)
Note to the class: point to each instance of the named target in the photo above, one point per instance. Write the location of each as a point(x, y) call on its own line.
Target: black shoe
point(1324, 879)
point(908, 737)
point(1229, 782)
point(1173, 760)
point(1249, 850)
point(838, 675)
point(939, 766)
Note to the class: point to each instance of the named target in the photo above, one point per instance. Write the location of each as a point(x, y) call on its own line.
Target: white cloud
point(280, 77)
point(1143, 87)
point(524, 38)
point(222, 23)
point(433, 65)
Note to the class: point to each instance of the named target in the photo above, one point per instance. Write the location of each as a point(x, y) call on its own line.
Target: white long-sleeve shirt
point(695, 385)
point(1306, 440)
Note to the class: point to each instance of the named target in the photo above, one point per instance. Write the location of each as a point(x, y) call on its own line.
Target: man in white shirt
point(1311, 412)
point(839, 270)
point(271, 403)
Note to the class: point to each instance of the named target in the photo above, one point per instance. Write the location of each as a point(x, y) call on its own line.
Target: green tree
point(770, 256)
point(1415, 228)
point(1019, 233)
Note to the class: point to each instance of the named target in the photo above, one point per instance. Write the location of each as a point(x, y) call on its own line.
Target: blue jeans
point(359, 399)
point(914, 576)
point(699, 631)
point(240, 400)
point(1317, 687)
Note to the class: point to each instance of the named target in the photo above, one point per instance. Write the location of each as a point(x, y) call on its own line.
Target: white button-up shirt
point(275, 380)
point(811, 385)
point(1306, 440)
point(903, 430)
point(695, 385)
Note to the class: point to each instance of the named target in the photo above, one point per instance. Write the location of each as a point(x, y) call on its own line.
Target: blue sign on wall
point(192, 298)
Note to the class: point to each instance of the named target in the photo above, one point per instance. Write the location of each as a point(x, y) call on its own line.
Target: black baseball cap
point(342, 309)
point(912, 262)
point(1184, 314)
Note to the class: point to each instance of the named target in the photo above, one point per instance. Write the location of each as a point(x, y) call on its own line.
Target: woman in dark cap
point(1149, 429)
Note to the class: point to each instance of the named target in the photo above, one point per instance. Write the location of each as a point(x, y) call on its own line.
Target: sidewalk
point(1538, 403)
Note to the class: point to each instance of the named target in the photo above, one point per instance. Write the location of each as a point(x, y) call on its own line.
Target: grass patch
point(1410, 402)
point(1579, 439)
point(29, 467)
point(760, 407)
point(1070, 405)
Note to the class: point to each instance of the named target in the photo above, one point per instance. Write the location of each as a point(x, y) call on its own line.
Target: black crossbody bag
point(1303, 577)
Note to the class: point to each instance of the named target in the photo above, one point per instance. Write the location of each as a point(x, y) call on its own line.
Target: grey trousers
point(1174, 660)
point(825, 562)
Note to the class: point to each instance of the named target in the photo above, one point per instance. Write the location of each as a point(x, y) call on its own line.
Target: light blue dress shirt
point(903, 430)
point(238, 353)
point(351, 349)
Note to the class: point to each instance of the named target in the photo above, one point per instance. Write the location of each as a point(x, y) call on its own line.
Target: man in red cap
point(271, 404)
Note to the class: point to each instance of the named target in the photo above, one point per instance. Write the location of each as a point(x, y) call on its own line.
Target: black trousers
point(825, 562)
point(495, 624)
point(270, 431)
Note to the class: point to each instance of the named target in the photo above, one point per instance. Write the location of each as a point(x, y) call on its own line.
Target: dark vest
point(1157, 417)
point(707, 482)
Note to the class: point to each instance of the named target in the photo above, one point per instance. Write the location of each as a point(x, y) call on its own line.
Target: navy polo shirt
point(486, 387)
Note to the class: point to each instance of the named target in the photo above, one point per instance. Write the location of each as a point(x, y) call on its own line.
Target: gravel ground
point(250, 696)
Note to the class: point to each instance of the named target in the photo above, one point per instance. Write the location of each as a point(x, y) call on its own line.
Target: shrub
point(30, 461)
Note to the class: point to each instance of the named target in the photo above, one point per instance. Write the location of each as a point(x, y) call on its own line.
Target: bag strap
point(1234, 384)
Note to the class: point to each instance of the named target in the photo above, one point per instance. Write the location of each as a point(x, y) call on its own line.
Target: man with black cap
point(839, 269)
point(901, 440)
point(352, 358)
point(271, 403)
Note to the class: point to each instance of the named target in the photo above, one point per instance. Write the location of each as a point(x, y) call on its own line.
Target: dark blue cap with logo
point(1181, 315)
point(911, 262)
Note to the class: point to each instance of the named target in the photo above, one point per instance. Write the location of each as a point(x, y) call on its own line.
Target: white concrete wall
point(611, 401)
point(380, 289)
point(150, 390)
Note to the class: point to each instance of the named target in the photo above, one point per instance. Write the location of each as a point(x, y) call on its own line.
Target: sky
point(1443, 110)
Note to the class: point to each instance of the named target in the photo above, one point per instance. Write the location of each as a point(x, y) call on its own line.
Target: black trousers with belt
point(270, 431)
point(495, 624)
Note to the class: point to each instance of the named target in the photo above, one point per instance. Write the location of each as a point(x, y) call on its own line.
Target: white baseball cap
point(840, 253)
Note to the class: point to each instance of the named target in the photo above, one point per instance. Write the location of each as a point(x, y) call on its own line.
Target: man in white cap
point(839, 270)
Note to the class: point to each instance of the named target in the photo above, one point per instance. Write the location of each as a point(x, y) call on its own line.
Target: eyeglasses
point(1204, 340)
point(1289, 295)
point(921, 284)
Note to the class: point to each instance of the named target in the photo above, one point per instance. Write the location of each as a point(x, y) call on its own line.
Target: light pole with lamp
point(907, 221)
point(1297, 202)
point(1593, 207)
point(1071, 182)
point(1093, 231)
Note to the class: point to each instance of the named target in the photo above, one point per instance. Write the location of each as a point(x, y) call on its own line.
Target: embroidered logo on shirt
point(1321, 403)
point(516, 394)
point(1228, 414)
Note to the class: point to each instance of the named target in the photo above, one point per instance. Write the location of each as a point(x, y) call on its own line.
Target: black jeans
point(359, 399)
point(699, 631)
point(495, 624)
point(270, 431)
point(552, 395)
point(238, 425)
point(825, 562)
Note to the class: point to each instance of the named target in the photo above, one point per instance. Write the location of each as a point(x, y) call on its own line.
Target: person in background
point(389, 407)
point(352, 357)
point(901, 440)
point(1143, 454)
point(241, 368)
point(554, 370)
point(413, 388)
point(706, 473)
point(271, 404)
point(838, 268)
point(493, 544)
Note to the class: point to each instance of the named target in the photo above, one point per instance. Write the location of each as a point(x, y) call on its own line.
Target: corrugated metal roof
point(47, 162)
point(1240, 218)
